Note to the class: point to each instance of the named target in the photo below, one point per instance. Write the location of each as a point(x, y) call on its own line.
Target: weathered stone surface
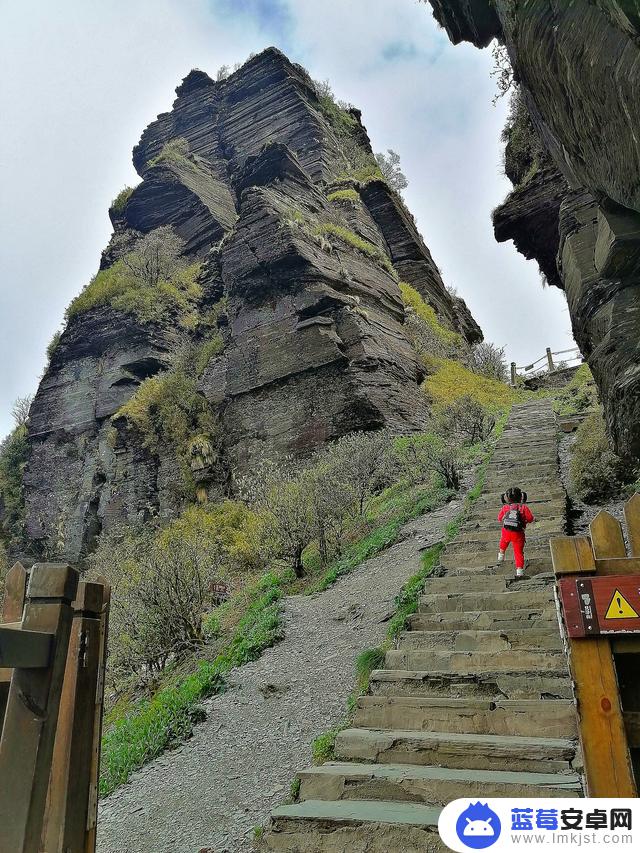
point(428, 785)
point(529, 217)
point(413, 260)
point(578, 65)
point(486, 752)
point(313, 330)
point(500, 717)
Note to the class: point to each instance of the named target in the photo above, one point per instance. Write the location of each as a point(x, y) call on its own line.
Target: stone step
point(462, 663)
point(448, 749)
point(526, 639)
point(469, 583)
point(469, 601)
point(486, 558)
point(324, 826)
point(546, 516)
point(554, 717)
point(487, 620)
point(535, 684)
point(541, 485)
point(533, 568)
point(544, 448)
point(478, 537)
point(495, 583)
point(429, 785)
point(515, 473)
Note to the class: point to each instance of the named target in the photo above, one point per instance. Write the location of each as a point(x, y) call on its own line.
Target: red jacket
point(525, 512)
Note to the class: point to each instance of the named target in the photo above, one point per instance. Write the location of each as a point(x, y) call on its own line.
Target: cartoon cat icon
point(478, 827)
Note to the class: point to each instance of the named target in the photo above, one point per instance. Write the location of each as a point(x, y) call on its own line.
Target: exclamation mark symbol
point(619, 605)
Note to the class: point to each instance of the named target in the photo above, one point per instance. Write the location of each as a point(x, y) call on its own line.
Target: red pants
point(517, 539)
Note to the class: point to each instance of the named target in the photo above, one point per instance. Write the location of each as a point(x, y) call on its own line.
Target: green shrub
point(53, 345)
point(363, 174)
point(168, 408)
point(525, 154)
point(294, 790)
point(352, 239)
point(154, 724)
point(579, 395)
point(452, 380)
point(14, 451)
point(153, 282)
point(174, 151)
point(120, 201)
point(349, 196)
point(366, 662)
point(407, 600)
point(596, 472)
point(207, 350)
point(323, 747)
point(428, 335)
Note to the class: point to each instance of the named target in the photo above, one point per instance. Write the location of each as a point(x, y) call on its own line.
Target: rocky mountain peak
point(247, 306)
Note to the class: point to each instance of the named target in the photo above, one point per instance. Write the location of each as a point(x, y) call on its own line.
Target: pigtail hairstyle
point(514, 495)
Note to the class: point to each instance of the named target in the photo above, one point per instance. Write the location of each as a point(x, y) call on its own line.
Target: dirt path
point(217, 787)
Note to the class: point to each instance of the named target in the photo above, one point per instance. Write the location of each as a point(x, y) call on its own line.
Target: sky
point(81, 79)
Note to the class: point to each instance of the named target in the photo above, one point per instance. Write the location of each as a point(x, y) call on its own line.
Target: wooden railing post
point(71, 769)
point(605, 747)
point(92, 810)
point(31, 718)
point(15, 584)
point(550, 360)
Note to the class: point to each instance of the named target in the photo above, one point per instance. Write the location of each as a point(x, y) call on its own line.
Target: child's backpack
point(513, 519)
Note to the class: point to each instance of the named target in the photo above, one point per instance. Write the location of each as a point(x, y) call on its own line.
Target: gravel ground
point(213, 790)
point(582, 514)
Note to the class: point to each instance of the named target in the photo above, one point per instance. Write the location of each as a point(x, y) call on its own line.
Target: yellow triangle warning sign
point(619, 608)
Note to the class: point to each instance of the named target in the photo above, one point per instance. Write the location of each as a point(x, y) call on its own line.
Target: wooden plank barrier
point(607, 733)
point(15, 587)
point(54, 652)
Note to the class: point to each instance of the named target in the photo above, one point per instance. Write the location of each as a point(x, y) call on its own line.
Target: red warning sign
point(601, 605)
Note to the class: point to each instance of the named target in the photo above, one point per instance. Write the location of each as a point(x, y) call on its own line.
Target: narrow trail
point(475, 698)
point(213, 790)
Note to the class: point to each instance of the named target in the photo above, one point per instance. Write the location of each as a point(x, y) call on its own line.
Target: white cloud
point(79, 82)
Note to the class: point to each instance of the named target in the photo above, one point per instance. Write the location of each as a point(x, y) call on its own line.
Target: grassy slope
point(138, 731)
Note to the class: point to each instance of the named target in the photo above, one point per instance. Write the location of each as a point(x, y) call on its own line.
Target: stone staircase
point(475, 701)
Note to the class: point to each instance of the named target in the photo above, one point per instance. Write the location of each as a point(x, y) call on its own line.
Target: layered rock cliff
point(288, 333)
point(578, 68)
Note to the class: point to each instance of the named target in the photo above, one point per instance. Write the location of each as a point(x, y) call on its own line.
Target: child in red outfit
point(514, 515)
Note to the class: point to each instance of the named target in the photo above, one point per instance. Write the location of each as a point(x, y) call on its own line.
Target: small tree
point(163, 581)
point(502, 71)
point(160, 594)
point(332, 503)
point(156, 257)
point(389, 164)
point(277, 490)
point(323, 89)
point(487, 359)
point(364, 461)
point(420, 456)
point(466, 419)
point(20, 410)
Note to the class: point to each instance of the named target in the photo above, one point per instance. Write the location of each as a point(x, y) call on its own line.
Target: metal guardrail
point(547, 364)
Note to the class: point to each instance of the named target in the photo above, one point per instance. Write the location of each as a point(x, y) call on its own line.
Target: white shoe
point(500, 556)
point(519, 573)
